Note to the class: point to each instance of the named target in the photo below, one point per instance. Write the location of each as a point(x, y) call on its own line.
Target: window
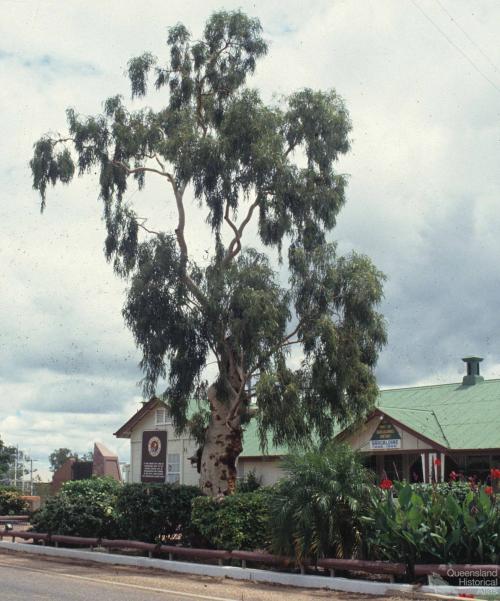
point(173, 467)
point(162, 417)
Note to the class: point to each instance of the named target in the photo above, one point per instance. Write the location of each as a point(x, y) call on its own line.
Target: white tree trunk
point(222, 446)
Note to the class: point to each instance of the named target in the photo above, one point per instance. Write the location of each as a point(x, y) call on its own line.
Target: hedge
point(240, 521)
point(153, 512)
point(81, 508)
point(101, 507)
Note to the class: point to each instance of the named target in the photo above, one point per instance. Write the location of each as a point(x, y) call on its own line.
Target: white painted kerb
point(298, 580)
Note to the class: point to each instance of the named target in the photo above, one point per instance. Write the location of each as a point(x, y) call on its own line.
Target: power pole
point(31, 475)
point(15, 466)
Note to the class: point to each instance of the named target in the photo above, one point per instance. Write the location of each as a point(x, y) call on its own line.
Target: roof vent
point(472, 376)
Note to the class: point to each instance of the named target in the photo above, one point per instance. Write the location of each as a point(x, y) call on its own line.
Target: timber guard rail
point(14, 519)
point(350, 565)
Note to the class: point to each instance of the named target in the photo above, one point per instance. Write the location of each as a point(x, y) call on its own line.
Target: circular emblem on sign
point(154, 446)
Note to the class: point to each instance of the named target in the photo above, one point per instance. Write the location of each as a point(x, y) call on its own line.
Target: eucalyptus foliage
point(241, 160)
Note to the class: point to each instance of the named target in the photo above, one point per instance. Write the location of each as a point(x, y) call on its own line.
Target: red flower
point(466, 595)
point(386, 484)
point(453, 475)
point(488, 490)
point(437, 462)
point(495, 474)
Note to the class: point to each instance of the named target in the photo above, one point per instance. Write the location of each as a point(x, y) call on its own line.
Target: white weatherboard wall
point(183, 445)
point(360, 439)
point(268, 471)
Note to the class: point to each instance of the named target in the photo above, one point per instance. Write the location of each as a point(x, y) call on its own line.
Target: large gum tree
point(249, 166)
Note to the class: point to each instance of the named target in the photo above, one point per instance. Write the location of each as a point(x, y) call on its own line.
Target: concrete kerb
point(265, 576)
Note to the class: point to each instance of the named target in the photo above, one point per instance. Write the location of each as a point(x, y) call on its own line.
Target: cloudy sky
point(421, 79)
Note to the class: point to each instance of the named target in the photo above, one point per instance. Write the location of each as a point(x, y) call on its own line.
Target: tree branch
point(234, 228)
point(286, 341)
point(235, 244)
point(239, 393)
point(129, 171)
point(54, 142)
point(179, 231)
point(192, 303)
point(159, 162)
point(181, 240)
point(232, 413)
point(142, 226)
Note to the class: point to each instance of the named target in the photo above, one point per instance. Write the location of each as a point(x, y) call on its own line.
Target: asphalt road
point(24, 577)
point(35, 584)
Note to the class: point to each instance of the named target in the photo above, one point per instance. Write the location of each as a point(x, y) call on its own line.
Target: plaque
point(154, 456)
point(385, 437)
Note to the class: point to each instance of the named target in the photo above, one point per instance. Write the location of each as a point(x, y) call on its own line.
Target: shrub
point(435, 527)
point(249, 483)
point(11, 502)
point(239, 521)
point(81, 508)
point(153, 512)
point(317, 510)
point(458, 489)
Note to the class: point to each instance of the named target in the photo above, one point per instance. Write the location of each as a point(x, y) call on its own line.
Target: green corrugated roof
point(251, 447)
point(421, 420)
point(453, 415)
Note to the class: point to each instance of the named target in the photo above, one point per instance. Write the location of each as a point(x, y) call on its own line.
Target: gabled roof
point(455, 416)
point(128, 426)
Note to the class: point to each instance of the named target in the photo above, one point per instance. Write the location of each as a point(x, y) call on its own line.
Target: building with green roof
point(427, 432)
point(421, 433)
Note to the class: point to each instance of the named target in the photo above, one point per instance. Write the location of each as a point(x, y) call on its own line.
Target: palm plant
point(317, 510)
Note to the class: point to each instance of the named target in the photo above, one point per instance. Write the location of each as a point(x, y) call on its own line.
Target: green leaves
point(138, 69)
point(318, 509)
point(243, 160)
point(101, 507)
point(81, 508)
point(153, 512)
point(164, 325)
point(240, 521)
point(404, 496)
point(431, 524)
point(48, 166)
point(341, 334)
point(319, 121)
point(11, 502)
